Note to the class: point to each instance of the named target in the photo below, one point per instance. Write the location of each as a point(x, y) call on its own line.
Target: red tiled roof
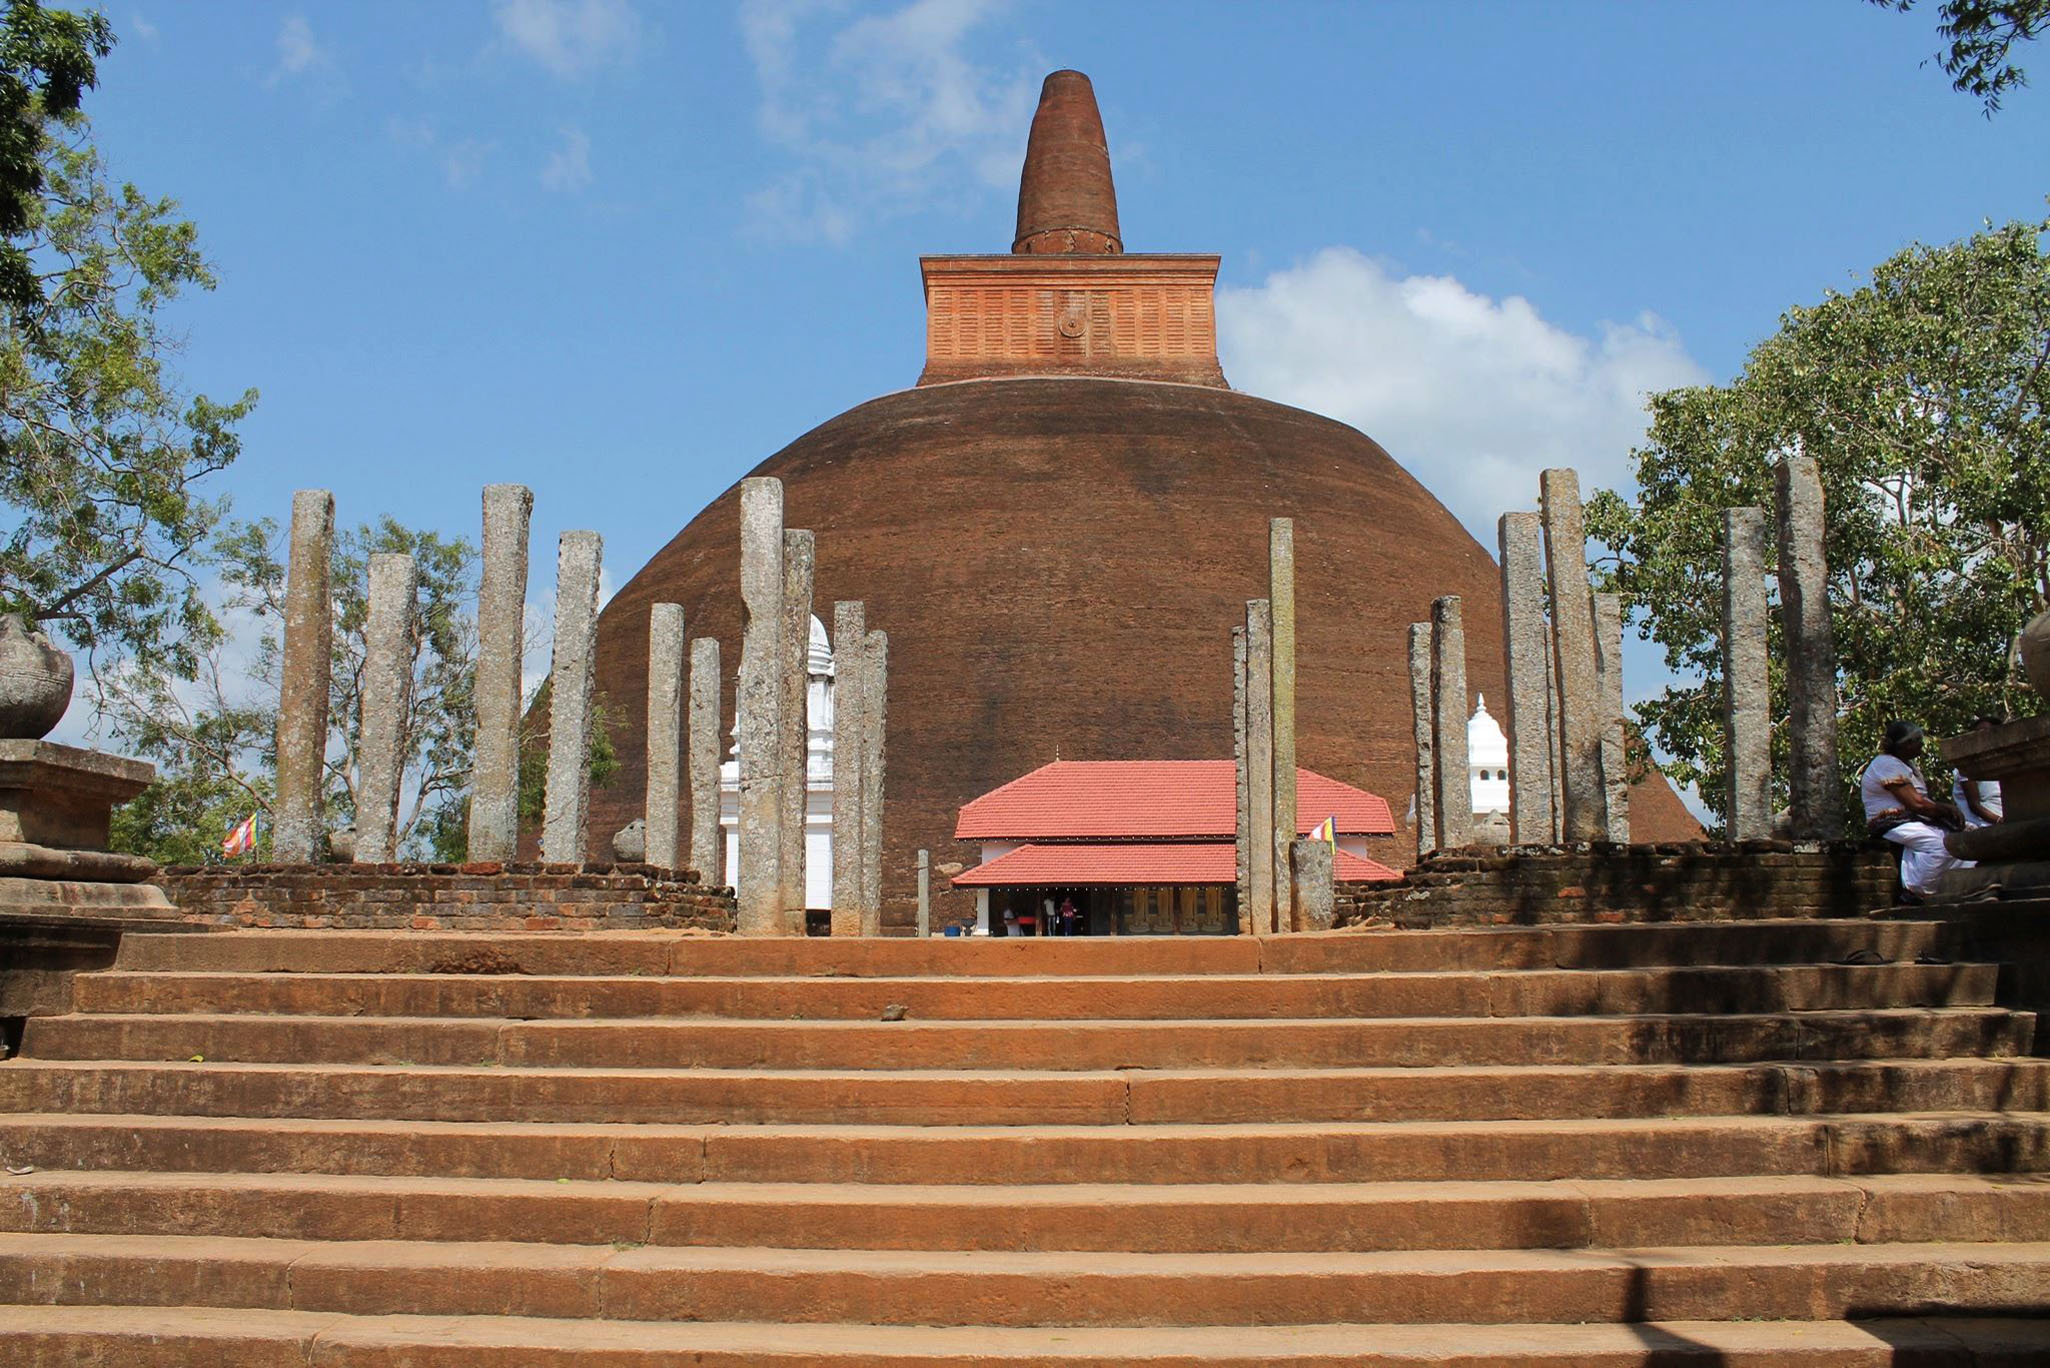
point(1137, 862)
point(1078, 799)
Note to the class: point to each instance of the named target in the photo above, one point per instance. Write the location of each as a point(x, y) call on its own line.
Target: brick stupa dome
point(1059, 528)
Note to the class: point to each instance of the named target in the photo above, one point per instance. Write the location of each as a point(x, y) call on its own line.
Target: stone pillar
point(1552, 736)
point(297, 829)
point(1454, 785)
point(1524, 637)
point(501, 648)
point(707, 847)
point(1817, 797)
point(1423, 711)
point(799, 553)
point(387, 705)
point(875, 693)
point(850, 641)
point(665, 733)
point(1242, 794)
point(1259, 912)
point(1608, 631)
point(1575, 662)
point(1747, 683)
point(1314, 898)
point(760, 707)
point(924, 893)
point(566, 812)
point(1281, 602)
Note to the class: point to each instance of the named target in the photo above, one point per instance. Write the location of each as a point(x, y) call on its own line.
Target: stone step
point(936, 1097)
point(1049, 998)
point(1138, 1218)
point(1060, 1287)
point(652, 1042)
point(1472, 1151)
point(659, 953)
point(158, 1337)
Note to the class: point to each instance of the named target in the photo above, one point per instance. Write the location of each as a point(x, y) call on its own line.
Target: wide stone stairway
point(1809, 1143)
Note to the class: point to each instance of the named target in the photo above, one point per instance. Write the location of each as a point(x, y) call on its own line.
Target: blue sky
point(621, 250)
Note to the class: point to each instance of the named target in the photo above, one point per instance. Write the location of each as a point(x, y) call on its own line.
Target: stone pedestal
point(55, 802)
point(2015, 852)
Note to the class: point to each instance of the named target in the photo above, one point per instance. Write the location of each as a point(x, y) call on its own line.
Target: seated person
point(1978, 800)
point(1898, 807)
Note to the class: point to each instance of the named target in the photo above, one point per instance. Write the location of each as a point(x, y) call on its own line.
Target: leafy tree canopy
point(1925, 399)
point(1982, 34)
point(48, 60)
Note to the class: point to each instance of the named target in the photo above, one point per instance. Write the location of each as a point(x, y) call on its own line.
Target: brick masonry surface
point(1600, 882)
point(439, 897)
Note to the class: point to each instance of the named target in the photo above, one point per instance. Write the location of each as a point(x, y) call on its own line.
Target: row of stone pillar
point(1815, 782)
point(777, 571)
point(1281, 885)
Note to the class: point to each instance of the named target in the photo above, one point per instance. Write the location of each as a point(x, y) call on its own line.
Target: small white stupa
point(1487, 759)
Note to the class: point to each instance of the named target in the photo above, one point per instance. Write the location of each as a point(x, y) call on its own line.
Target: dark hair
point(1988, 720)
point(1899, 733)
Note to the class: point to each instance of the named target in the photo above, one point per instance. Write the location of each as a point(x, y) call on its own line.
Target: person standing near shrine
point(1978, 800)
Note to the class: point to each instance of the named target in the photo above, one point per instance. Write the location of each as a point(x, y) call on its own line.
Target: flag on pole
point(1327, 831)
point(242, 839)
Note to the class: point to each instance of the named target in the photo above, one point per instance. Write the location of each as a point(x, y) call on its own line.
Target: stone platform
point(443, 897)
point(55, 805)
point(1599, 881)
point(1754, 1143)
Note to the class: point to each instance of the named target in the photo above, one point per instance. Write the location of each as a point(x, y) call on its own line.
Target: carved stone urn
point(35, 680)
point(2036, 653)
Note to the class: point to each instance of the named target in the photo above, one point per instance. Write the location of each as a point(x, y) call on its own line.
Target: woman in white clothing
point(1898, 807)
point(1978, 800)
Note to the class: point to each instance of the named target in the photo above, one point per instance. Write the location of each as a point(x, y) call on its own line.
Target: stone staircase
point(1677, 1143)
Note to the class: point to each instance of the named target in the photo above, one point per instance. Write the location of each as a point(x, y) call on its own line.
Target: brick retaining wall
point(1600, 882)
point(472, 897)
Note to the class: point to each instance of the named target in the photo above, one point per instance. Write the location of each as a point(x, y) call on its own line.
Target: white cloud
point(572, 38)
point(885, 115)
point(142, 27)
point(463, 162)
point(569, 166)
point(298, 50)
point(1473, 395)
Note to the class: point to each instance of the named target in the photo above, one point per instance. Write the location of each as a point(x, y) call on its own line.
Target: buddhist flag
point(242, 839)
point(1327, 831)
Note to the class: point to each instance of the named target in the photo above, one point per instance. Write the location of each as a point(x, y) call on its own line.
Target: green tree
point(1924, 397)
point(1982, 35)
point(48, 60)
point(102, 521)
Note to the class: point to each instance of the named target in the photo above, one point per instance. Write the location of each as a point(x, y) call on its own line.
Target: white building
point(818, 769)
point(1487, 760)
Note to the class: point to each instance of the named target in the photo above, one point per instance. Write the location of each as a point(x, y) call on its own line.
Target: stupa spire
point(1066, 202)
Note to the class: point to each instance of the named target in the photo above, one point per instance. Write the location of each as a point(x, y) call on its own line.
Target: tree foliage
point(101, 456)
point(1982, 35)
point(1924, 397)
point(48, 60)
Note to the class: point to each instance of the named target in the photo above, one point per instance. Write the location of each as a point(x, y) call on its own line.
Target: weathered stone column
point(1281, 602)
point(1242, 794)
point(1747, 681)
point(1423, 713)
point(1608, 631)
point(1259, 912)
point(566, 812)
point(297, 829)
point(925, 893)
point(665, 733)
point(387, 705)
point(1552, 737)
point(1454, 785)
point(1575, 662)
point(875, 714)
point(1817, 788)
point(1314, 895)
point(760, 707)
point(501, 647)
point(1521, 537)
point(799, 554)
point(850, 641)
point(707, 849)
